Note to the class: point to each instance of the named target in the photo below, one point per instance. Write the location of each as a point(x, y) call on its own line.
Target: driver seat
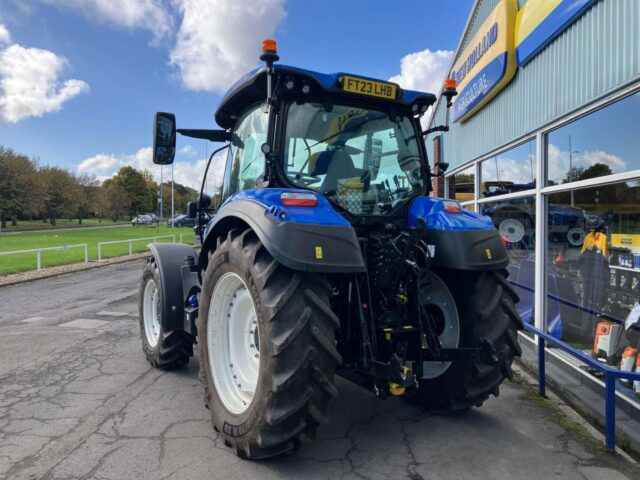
point(336, 165)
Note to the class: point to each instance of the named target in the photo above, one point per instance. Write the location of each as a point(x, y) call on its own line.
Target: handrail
point(130, 241)
point(610, 376)
point(38, 252)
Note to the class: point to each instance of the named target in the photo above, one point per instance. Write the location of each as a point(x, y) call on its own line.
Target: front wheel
point(163, 348)
point(486, 315)
point(266, 337)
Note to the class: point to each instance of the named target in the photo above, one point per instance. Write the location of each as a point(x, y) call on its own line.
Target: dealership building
point(545, 139)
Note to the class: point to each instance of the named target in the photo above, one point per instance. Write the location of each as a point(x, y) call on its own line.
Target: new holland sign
point(488, 62)
point(539, 22)
point(508, 38)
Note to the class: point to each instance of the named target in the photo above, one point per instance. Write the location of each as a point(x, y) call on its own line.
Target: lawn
point(27, 240)
point(26, 225)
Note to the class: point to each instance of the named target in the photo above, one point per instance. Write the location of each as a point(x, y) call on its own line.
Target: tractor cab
point(355, 140)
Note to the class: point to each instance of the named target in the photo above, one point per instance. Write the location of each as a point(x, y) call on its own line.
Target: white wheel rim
point(511, 230)
point(151, 312)
point(440, 300)
point(233, 343)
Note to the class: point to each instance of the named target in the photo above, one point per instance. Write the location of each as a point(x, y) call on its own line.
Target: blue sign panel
point(539, 22)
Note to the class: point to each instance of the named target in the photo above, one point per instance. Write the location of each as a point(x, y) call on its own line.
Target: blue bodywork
point(430, 209)
point(252, 87)
point(269, 198)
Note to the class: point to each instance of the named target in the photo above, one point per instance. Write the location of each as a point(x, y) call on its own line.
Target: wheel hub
point(233, 343)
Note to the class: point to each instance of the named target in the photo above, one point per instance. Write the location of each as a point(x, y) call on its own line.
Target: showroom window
point(515, 220)
point(510, 171)
point(461, 185)
point(598, 144)
point(589, 238)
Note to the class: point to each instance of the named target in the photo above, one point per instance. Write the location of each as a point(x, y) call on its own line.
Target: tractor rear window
point(360, 159)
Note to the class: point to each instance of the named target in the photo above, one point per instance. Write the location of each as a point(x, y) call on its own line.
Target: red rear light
point(452, 207)
point(294, 199)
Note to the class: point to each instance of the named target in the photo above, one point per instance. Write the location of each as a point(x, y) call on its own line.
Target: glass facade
point(515, 220)
point(510, 171)
point(596, 145)
point(461, 185)
point(590, 233)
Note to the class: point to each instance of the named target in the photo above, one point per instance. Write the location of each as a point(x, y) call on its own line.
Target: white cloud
point(5, 37)
point(187, 150)
point(146, 14)
point(559, 161)
point(219, 40)
point(185, 172)
point(29, 85)
point(423, 71)
point(516, 171)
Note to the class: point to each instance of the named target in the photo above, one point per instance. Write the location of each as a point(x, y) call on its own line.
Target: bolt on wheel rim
point(439, 301)
point(233, 343)
point(151, 312)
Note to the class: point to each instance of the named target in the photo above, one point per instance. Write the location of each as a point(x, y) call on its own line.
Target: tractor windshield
point(364, 160)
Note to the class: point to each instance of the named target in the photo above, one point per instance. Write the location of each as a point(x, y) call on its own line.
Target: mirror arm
point(211, 135)
point(439, 128)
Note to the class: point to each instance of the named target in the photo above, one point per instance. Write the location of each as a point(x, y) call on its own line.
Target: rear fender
point(314, 239)
point(177, 282)
point(462, 241)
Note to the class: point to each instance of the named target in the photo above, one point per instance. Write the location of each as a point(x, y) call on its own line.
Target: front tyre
point(485, 303)
point(266, 338)
point(164, 349)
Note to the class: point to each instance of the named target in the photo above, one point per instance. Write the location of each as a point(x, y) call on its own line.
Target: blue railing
point(610, 377)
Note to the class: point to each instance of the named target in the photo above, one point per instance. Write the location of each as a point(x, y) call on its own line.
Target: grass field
point(26, 225)
point(25, 241)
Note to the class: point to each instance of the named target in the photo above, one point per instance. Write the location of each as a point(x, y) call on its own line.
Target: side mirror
point(192, 210)
point(164, 138)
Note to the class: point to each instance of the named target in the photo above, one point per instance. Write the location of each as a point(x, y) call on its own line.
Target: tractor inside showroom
point(326, 257)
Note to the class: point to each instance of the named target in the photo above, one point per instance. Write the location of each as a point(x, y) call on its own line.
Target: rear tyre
point(266, 338)
point(485, 302)
point(164, 349)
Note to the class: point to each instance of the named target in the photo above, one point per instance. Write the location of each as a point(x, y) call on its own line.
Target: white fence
point(131, 240)
point(38, 252)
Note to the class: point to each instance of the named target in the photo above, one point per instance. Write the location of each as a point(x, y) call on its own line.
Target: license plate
point(369, 87)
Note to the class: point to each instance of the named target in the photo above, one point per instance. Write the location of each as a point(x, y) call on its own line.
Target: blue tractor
point(326, 256)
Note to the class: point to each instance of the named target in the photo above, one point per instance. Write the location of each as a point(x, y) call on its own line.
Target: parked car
point(181, 220)
point(144, 220)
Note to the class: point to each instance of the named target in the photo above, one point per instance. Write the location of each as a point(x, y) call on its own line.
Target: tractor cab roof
point(252, 88)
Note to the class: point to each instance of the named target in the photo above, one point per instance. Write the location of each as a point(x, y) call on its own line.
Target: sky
point(81, 79)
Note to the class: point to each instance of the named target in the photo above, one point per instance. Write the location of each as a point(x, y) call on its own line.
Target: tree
point(19, 186)
point(114, 200)
point(87, 201)
point(60, 192)
point(137, 185)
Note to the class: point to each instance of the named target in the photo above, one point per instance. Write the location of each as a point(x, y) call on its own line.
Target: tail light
point(295, 199)
point(452, 207)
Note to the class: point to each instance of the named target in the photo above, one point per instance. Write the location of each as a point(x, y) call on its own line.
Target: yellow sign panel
point(488, 62)
point(372, 88)
point(318, 253)
point(624, 240)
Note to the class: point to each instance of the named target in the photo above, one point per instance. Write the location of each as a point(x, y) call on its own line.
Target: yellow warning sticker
point(489, 256)
point(318, 253)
